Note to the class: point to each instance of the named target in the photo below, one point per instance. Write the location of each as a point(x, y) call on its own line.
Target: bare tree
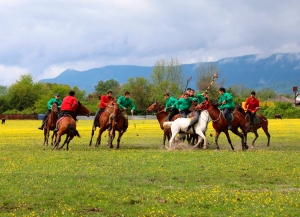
point(205, 73)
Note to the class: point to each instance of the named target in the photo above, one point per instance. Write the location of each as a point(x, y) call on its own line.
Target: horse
point(260, 121)
point(3, 121)
point(51, 123)
point(117, 125)
point(220, 125)
point(180, 125)
point(161, 116)
point(103, 122)
point(67, 125)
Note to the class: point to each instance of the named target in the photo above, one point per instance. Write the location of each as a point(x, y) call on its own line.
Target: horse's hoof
point(204, 147)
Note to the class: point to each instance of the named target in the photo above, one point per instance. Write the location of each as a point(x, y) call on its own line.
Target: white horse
point(180, 125)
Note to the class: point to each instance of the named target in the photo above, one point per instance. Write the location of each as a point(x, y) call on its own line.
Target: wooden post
point(295, 89)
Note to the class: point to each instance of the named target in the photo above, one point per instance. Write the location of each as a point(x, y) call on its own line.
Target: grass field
point(142, 179)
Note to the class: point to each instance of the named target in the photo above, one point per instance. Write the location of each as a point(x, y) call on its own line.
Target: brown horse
point(161, 116)
point(103, 122)
point(51, 123)
point(117, 125)
point(259, 122)
point(67, 125)
point(220, 124)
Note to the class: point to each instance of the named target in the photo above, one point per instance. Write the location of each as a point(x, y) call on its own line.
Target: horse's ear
point(79, 103)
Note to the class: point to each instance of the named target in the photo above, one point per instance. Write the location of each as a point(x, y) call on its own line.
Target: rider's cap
point(57, 94)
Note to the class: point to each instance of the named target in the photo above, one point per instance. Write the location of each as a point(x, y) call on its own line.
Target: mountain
point(279, 72)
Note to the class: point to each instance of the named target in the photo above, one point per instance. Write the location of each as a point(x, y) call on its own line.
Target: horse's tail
point(73, 130)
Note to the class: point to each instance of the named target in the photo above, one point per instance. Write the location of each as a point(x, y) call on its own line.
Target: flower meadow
point(144, 179)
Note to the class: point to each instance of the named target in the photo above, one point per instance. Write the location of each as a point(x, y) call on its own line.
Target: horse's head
point(54, 107)
point(205, 105)
point(81, 109)
point(154, 107)
point(239, 108)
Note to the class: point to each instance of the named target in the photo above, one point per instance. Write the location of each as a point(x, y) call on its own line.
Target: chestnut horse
point(161, 116)
point(117, 125)
point(51, 123)
point(67, 125)
point(103, 122)
point(220, 124)
point(259, 122)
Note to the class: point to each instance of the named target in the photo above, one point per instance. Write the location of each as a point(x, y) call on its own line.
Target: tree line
point(28, 97)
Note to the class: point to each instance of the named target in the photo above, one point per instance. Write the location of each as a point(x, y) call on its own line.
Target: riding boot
point(56, 128)
point(44, 121)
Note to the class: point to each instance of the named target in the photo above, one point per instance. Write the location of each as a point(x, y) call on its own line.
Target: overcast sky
point(46, 37)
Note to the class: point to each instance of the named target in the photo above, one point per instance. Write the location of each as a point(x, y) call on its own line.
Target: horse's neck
point(161, 116)
point(214, 113)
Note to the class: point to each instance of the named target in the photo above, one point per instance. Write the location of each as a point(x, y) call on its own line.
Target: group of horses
point(210, 111)
point(67, 125)
point(178, 125)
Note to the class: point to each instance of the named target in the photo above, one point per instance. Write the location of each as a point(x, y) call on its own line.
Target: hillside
point(279, 71)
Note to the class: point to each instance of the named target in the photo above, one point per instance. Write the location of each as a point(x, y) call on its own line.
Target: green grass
point(142, 179)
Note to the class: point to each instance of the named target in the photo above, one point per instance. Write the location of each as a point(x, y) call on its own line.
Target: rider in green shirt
point(57, 100)
point(226, 105)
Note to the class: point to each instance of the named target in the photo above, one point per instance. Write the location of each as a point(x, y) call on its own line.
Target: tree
point(139, 89)
point(205, 73)
point(103, 86)
point(166, 77)
point(24, 93)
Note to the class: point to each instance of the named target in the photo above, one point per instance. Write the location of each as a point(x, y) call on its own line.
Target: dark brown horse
point(259, 122)
point(103, 122)
point(220, 124)
point(67, 125)
point(51, 123)
point(117, 125)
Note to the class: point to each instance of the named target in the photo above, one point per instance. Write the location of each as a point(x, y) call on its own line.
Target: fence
point(40, 117)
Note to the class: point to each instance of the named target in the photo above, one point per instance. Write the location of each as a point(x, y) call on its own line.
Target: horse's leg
point(243, 137)
point(229, 140)
point(98, 141)
point(111, 138)
point(91, 138)
point(200, 137)
point(57, 141)
point(256, 136)
point(216, 140)
point(265, 128)
point(66, 140)
point(52, 137)
point(119, 139)
point(172, 138)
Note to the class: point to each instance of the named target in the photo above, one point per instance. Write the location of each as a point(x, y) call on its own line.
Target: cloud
point(44, 37)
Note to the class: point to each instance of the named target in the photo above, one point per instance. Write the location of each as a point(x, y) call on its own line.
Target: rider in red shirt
point(251, 106)
point(105, 99)
point(68, 107)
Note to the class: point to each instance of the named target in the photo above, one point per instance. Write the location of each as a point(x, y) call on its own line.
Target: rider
point(183, 104)
point(251, 106)
point(56, 100)
point(68, 106)
point(105, 99)
point(226, 105)
point(197, 112)
point(124, 103)
point(169, 106)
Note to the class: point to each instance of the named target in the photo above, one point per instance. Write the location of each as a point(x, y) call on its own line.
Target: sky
point(45, 37)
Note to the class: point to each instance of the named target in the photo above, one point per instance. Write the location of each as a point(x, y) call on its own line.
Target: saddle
point(256, 119)
point(230, 118)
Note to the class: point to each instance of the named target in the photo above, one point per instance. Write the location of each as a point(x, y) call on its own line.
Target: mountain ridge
point(279, 71)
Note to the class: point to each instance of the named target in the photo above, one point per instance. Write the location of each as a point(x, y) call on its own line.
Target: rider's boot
point(56, 128)
point(43, 123)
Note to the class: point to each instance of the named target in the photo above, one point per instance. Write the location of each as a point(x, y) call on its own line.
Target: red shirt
point(252, 104)
point(105, 99)
point(69, 103)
